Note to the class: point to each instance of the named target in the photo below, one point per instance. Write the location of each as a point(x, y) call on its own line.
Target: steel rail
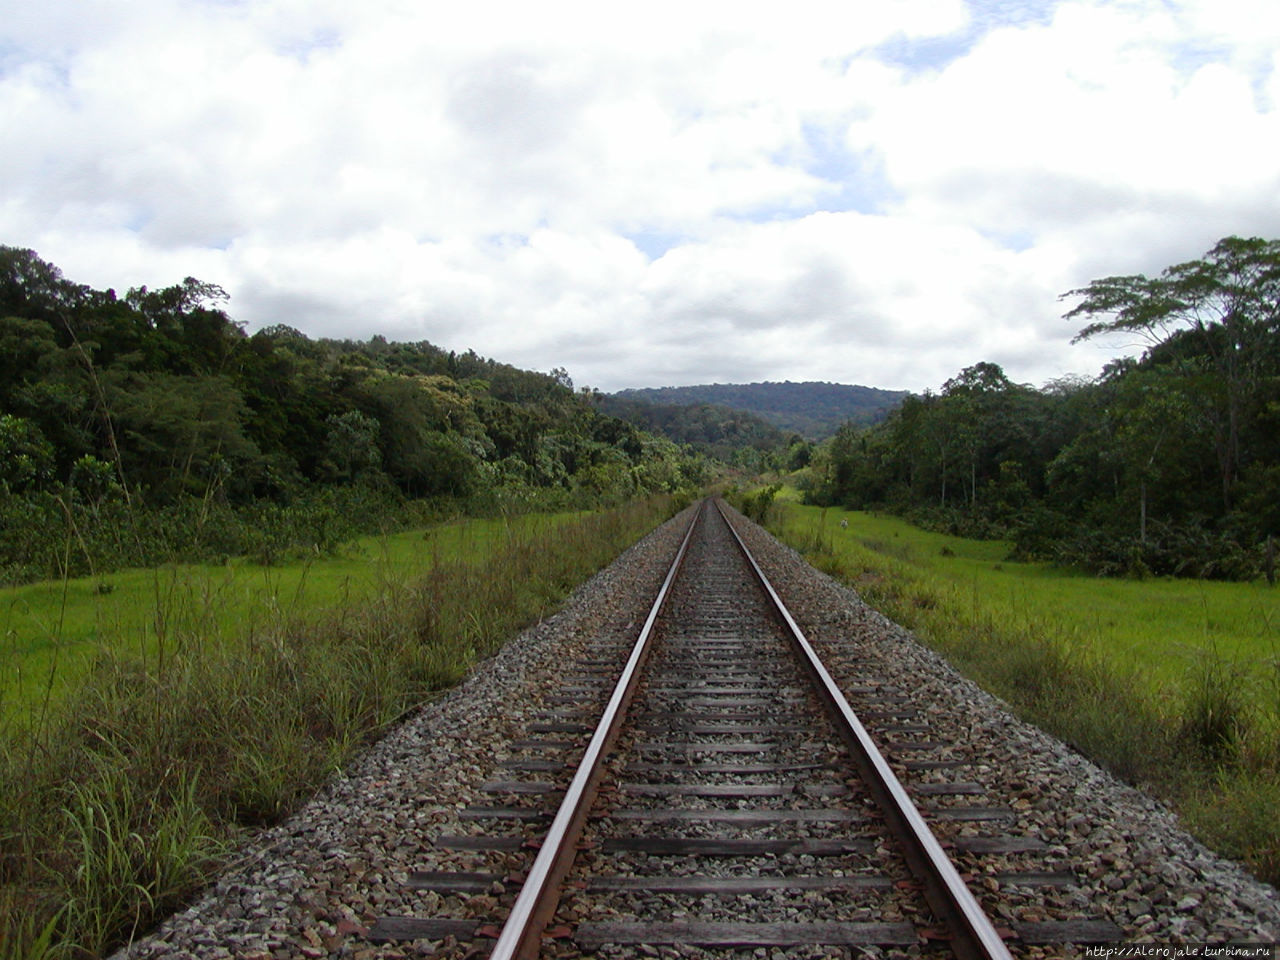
point(973, 936)
point(521, 936)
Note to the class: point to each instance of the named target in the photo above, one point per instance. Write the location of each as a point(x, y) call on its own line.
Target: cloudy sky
point(646, 194)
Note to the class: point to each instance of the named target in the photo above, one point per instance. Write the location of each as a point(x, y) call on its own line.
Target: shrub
point(1215, 711)
point(754, 505)
point(1188, 550)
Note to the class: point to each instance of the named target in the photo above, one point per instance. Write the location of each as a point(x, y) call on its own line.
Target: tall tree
point(1223, 309)
point(1152, 407)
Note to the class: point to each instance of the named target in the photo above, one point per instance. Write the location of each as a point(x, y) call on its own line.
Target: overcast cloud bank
point(677, 194)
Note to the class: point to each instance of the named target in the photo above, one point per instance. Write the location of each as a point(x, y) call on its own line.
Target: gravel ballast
point(312, 886)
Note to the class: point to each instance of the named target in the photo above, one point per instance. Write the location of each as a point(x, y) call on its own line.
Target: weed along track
point(729, 817)
point(708, 785)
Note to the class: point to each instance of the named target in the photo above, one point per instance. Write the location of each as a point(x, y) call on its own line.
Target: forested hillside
point(814, 410)
point(150, 426)
point(1166, 463)
point(732, 436)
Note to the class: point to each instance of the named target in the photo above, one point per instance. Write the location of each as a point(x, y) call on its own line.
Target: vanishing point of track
point(727, 796)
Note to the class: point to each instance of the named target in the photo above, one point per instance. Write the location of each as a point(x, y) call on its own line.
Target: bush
point(754, 505)
point(1189, 550)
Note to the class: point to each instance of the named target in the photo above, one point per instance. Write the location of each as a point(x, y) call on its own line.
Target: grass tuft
point(130, 855)
point(1215, 711)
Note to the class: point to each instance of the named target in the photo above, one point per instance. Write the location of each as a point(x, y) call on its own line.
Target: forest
point(1167, 463)
point(722, 433)
point(150, 426)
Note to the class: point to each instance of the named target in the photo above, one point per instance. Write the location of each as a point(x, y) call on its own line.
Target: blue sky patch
point(654, 243)
point(1015, 240)
point(856, 180)
point(925, 54)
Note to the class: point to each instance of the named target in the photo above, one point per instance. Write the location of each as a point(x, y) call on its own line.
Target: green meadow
point(52, 631)
point(155, 715)
point(1158, 630)
point(1174, 684)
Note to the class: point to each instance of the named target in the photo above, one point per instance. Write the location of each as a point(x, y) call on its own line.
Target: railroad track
point(709, 785)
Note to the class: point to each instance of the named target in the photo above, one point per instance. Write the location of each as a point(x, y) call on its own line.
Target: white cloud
point(473, 175)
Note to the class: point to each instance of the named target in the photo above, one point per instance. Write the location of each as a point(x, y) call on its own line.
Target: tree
point(799, 452)
point(423, 423)
point(31, 287)
point(179, 434)
point(1225, 310)
point(993, 421)
point(189, 332)
point(23, 344)
point(26, 458)
point(352, 446)
point(921, 445)
point(1151, 410)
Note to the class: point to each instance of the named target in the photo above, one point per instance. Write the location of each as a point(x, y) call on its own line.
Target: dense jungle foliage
point(148, 427)
point(729, 435)
point(1168, 463)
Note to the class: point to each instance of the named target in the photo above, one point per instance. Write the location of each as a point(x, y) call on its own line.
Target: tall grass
point(118, 806)
point(1168, 683)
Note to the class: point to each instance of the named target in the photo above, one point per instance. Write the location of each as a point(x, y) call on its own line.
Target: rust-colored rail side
point(521, 936)
point(973, 936)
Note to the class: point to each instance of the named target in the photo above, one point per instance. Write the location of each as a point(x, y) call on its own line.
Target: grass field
point(1174, 684)
point(51, 632)
point(184, 705)
point(1160, 630)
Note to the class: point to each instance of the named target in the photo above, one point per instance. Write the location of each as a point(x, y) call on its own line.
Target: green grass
point(152, 758)
point(1172, 683)
point(1159, 628)
point(53, 631)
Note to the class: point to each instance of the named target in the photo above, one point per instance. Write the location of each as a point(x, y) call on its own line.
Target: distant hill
point(717, 431)
point(813, 409)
